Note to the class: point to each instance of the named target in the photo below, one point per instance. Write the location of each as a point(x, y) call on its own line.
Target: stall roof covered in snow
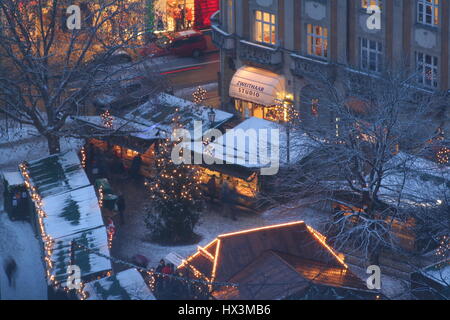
point(153, 119)
point(57, 174)
point(73, 220)
point(72, 212)
point(419, 181)
point(88, 254)
point(439, 273)
point(248, 153)
point(158, 112)
point(13, 178)
point(125, 285)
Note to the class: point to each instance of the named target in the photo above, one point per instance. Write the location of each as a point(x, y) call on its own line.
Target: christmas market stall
point(15, 196)
point(432, 282)
point(239, 156)
point(68, 218)
point(135, 135)
point(125, 285)
point(286, 261)
point(410, 185)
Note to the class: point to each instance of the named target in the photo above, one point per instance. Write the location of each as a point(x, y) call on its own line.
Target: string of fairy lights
point(49, 242)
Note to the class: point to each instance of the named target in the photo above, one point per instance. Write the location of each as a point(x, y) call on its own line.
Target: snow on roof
point(247, 153)
point(13, 178)
point(72, 212)
point(419, 181)
point(72, 215)
point(91, 261)
point(125, 285)
point(158, 112)
point(123, 126)
point(439, 272)
point(153, 119)
point(57, 174)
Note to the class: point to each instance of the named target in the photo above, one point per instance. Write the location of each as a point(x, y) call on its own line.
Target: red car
point(184, 43)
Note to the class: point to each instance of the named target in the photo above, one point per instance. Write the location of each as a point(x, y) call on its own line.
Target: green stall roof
point(125, 285)
point(57, 174)
point(71, 212)
point(72, 216)
point(89, 257)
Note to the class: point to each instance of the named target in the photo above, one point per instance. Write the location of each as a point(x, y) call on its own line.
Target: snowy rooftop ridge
point(125, 285)
point(72, 216)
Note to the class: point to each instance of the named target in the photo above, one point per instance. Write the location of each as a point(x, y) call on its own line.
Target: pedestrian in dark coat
point(136, 166)
point(10, 270)
point(121, 208)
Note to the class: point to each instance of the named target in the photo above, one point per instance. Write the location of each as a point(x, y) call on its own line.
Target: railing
point(260, 54)
point(309, 67)
point(220, 38)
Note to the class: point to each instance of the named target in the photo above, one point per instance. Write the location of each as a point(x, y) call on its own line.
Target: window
point(371, 55)
point(265, 27)
point(368, 3)
point(428, 12)
point(427, 70)
point(317, 41)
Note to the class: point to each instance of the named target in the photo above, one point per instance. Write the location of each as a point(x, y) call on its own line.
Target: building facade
point(272, 50)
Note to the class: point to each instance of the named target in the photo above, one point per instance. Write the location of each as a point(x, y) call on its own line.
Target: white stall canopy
point(258, 86)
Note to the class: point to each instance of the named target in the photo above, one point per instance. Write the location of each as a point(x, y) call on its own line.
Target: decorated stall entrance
point(15, 196)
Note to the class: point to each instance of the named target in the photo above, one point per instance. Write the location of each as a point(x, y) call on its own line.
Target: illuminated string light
point(443, 156)
point(107, 119)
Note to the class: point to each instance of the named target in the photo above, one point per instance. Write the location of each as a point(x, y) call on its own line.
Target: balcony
point(306, 67)
point(223, 40)
point(259, 54)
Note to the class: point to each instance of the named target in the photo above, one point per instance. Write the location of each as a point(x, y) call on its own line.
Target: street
point(187, 73)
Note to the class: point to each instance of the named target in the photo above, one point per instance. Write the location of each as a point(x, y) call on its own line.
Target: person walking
point(177, 18)
point(211, 186)
point(226, 198)
point(189, 18)
point(121, 208)
point(11, 270)
point(136, 167)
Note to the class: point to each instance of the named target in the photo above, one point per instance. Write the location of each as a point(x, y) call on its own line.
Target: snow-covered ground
point(17, 241)
point(29, 148)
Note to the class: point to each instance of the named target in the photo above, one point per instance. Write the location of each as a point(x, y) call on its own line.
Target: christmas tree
point(176, 195)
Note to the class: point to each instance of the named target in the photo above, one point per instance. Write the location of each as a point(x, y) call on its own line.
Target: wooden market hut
point(15, 196)
point(139, 130)
point(274, 262)
point(67, 218)
point(244, 171)
point(432, 282)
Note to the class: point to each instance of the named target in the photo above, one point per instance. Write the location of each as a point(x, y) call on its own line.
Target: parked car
point(184, 43)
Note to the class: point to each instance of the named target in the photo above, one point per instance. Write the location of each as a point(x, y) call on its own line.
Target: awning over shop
point(257, 85)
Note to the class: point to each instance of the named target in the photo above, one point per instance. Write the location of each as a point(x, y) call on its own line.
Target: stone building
point(272, 51)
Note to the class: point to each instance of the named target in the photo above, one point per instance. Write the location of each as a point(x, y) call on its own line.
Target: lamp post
point(211, 116)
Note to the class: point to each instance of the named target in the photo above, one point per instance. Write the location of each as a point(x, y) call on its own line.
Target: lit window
point(317, 41)
point(427, 70)
point(428, 12)
point(371, 55)
point(369, 3)
point(265, 27)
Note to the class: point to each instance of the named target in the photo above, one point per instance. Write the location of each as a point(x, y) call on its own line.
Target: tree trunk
point(53, 144)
